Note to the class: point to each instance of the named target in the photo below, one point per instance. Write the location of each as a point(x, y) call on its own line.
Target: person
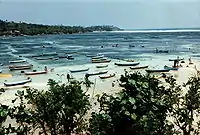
point(156, 50)
point(45, 68)
point(190, 61)
point(68, 77)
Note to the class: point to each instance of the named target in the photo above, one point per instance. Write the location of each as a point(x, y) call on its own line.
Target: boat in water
point(35, 73)
point(97, 73)
point(127, 63)
point(101, 66)
point(49, 58)
point(170, 68)
point(17, 61)
point(107, 76)
point(0, 71)
point(98, 57)
point(157, 70)
point(79, 70)
point(20, 67)
point(101, 61)
point(139, 67)
point(7, 84)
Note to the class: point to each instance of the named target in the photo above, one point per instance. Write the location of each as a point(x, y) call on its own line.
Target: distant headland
point(21, 28)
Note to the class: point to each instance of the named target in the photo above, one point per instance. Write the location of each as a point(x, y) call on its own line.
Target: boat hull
point(157, 70)
point(35, 73)
point(107, 76)
point(128, 64)
point(170, 68)
point(102, 66)
point(81, 70)
point(97, 73)
point(139, 67)
point(18, 83)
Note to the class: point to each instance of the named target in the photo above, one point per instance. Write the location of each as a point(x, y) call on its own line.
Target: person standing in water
point(45, 68)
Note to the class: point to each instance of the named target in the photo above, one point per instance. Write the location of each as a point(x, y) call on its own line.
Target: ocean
point(138, 45)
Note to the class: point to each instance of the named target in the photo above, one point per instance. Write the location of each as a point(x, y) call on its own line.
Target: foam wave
point(154, 31)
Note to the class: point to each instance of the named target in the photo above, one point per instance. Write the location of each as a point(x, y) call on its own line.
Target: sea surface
point(138, 45)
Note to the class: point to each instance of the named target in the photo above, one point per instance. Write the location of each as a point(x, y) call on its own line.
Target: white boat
point(17, 61)
point(18, 83)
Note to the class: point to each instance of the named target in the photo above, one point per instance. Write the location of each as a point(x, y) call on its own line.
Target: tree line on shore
point(22, 28)
point(144, 106)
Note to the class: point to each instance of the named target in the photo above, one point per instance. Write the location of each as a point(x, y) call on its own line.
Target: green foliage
point(60, 110)
point(13, 28)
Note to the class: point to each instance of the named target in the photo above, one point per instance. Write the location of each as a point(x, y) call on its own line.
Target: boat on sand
point(101, 61)
point(35, 73)
point(138, 67)
point(127, 63)
point(7, 84)
point(157, 70)
point(102, 66)
point(17, 61)
point(20, 67)
point(79, 70)
point(107, 76)
point(97, 73)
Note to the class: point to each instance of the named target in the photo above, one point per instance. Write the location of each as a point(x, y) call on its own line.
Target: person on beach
point(190, 60)
point(45, 68)
point(68, 77)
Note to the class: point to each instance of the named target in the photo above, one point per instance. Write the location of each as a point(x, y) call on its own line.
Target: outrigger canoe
point(50, 58)
point(138, 67)
point(102, 66)
point(98, 57)
point(18, 83)
point(35, 73)
point(97, 73)
point(127, 63)
point(79, 70)
point(101, 61)
point(170, 68)
point(107, 76)
point(20, 67)
point(17, 61)
point(157, 70)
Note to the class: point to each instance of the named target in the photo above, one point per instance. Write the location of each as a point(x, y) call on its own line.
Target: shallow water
point(183, 44)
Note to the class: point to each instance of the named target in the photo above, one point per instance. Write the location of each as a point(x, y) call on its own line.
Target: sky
point(126, 14)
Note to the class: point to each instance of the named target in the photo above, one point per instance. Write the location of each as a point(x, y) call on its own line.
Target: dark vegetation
point(145, 106)
point(22, 28)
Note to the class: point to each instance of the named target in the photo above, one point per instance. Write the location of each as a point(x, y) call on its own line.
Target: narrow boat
point(98, 57)
point(102, 66)
point(18, 83)
point(104, 58)
point(50, 58)
point(17, 61)
point(35, 73)
point(5, 75)
point(139, 67)
point(79, 70)
point(127, 63)
point(170, 68)
point(157, 70)
point(101, 61)
point(97, 73)
point(107, 76)
point(20, 67)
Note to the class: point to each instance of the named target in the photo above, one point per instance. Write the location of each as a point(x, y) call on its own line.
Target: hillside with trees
point(22, 28)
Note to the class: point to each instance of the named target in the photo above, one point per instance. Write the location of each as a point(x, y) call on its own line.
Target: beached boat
point(5, 75)
point(17, 61)
point(170, 68)
point(102, 66)
point(157, 70)
point(79, 70)
point(7, 84)
point(20, 67)
point(101, 61)
point(35, 73)
point(139, 67)
point(127, 63)
point(107, 76)
point(97, 73)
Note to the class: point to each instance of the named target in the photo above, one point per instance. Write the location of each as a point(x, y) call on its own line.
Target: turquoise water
point(139, 46)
